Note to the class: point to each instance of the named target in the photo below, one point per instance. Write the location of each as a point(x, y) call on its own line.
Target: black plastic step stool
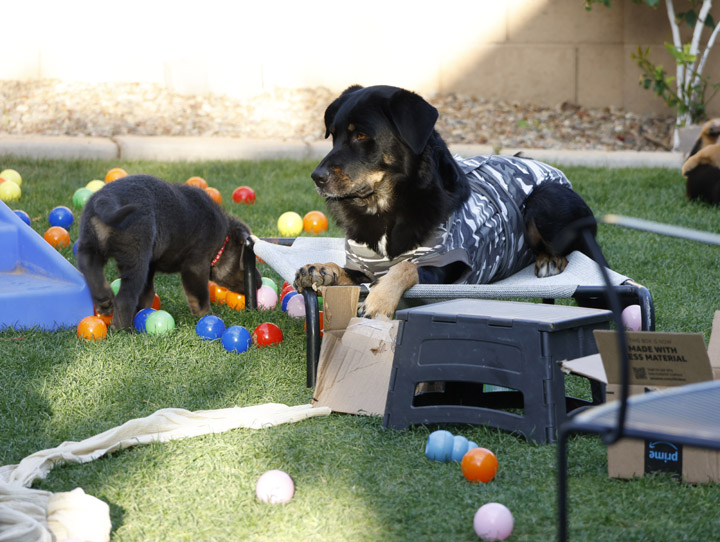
point(449, 355)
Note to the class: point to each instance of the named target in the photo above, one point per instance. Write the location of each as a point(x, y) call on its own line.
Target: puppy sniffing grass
point(702, 168)
point(147, 226)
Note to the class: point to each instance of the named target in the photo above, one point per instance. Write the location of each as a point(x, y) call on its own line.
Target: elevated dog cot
point(581, 281)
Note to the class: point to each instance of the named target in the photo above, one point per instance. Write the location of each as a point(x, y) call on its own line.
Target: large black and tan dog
point(412, 213)
point(702, 168)
point(148, 225)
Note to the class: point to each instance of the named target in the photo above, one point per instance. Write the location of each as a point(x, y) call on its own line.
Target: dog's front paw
point(377, 306)
point(316, 275)
point(548, 266)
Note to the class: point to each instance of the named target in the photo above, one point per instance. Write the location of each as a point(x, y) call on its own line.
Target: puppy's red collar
point(220, 252)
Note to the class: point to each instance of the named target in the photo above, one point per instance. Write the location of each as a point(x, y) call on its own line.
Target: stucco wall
point(541, 51)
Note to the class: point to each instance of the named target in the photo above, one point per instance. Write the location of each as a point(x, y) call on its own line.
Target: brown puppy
point(412, 213)
point(148, 225)
point(702, 168)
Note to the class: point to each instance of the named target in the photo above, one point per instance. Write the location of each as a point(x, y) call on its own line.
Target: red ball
point(244, 194)
point(267, 334)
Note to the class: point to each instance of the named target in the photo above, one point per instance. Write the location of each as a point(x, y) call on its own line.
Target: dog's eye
point(360, 136)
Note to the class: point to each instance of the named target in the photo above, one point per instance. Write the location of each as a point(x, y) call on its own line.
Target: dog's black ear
point(332, 109)
point(414, 119)
point(698, 145)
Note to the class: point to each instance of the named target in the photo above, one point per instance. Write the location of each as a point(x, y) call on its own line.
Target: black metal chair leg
point(312, 319)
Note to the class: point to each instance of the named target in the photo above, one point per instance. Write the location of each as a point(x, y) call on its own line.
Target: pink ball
point(296, 307)
point(493, 521)
point(275, 487)
point(631, 318)
point(267, 298)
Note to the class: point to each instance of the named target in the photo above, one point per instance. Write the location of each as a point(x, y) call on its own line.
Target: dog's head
point(229, 269)
point(708, 136)
point(378, 132)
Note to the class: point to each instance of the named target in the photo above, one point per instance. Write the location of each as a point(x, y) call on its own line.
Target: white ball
point(275, 487)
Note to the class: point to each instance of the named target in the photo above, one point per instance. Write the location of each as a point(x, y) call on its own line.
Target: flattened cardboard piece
point(354, 369)
point(659, 360)
point(588, 366)
point(714, 346)
point(339, 306)
point(656, 359)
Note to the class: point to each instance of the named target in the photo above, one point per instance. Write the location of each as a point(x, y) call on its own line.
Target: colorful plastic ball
point(275, 487)
point(107, 318)
point(198, 182)
point(214, 194)
point(61, 216)
point(236, 339)
point(95, 185)
point(75, 247)
point(270, 282)
point(92, 328)
point(81, 196)
point(479, 465)
point(267, 298)
point(267, 334)
point(57, 236)
point(141, 319)
point(114, 174)
point(286, 299)
point(156, 304)
point(296, 307)
point(235, 301)
point(287, 288)
point(210, 328)
point(493, 521)
point(290, 224)
point(632, 318)
point(9, 191)
point(159, 323)
point(244, 194)
point(11, 175)
point(220, 294)
point(315, 222)
point(23, 216)
point(115, 286)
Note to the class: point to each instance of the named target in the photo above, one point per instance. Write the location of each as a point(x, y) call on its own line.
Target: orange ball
point(235, 301)
point(156, 303)
point(211, 290)
point(315, 222)
point(92, 328)
point(214, 194)
point(322, 324)
point(115, 173)
point(197, 181)
point(220, 295)
point(57, 236)
point(479, 465)
point(107, 318)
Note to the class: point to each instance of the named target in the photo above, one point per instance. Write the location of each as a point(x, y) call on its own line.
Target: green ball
point(159, 323)
point(115, 285)
point(81, 196)
point(270, 282)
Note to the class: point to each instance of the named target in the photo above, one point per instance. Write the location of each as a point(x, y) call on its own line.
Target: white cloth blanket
point(29, 515)
point(581, 271)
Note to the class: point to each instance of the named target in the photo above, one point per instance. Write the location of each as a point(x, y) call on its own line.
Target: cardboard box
point(356, 356)
point(658, 360)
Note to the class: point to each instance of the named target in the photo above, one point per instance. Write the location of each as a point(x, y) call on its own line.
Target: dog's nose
point(320, 175)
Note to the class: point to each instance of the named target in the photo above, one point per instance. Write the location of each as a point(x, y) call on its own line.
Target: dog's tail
point(115, 215)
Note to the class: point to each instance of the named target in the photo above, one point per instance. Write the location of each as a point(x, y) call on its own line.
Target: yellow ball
point(9, 191)
point(11, 175)
point(290, 224)
point(95, 185)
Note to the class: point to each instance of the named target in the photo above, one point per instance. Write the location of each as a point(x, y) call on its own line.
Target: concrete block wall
point(539, 51)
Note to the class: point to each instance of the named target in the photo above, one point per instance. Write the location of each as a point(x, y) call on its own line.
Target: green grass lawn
point(354, 480)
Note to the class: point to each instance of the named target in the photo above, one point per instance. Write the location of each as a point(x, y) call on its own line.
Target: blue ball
point(75, 247)
point(285, 300)
point(61, 216)
point(141, 318)
point(23, 216)
point(210, 328)
point(236, 339)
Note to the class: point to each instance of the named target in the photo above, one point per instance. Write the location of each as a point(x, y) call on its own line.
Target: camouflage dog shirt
point(486, 233)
